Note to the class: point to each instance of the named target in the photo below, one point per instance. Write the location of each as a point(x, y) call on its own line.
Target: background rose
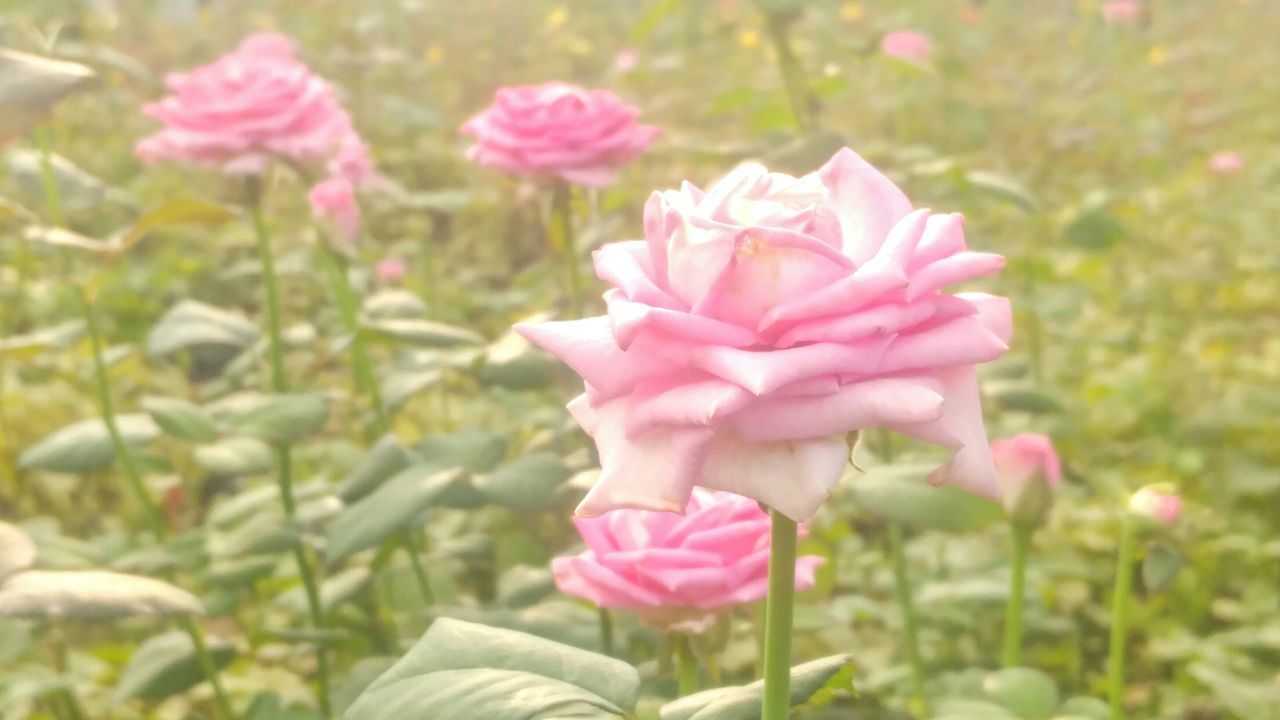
point(249, 107)
point(333, 200)
point(558, 129)
point(671, 569)
point(907, 45)
point(1028, 472)
point(761, 321)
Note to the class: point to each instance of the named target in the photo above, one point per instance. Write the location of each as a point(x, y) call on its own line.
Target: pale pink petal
point(971, 466)
point(867, 203)
point(792, 477)
point(872, 403)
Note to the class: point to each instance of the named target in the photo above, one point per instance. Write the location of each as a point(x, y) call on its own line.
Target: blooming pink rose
point(1121, 11)
point(247, 108)
point(391, 269)
point(558, 129)
point(1028, 474)
point(1226, 162)
point(334, 201)
point(672, 569)
point(907, 45)
point(760, 322)
point(1157, 502)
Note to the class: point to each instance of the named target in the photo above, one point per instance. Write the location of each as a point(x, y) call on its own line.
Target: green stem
point(1120, 620)
point(902, 588)
point(1021, 536)
point(68, 694)
point(410, 543)
point(284, 459)
point(344, 294)
point(49, 181)
point(687, 665)
point(208, 665)
point(606, 631)
point(779, 611)
point(562, 224)
point(793, 76)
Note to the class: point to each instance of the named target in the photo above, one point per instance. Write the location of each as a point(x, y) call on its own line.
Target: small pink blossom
point(1157, 502)
point(1028, 474)
point(390, 270)
point(582, 136)
point(626, 60)
point(676, 570)
point(907, 45)
point(333, 200)
point(1125, 12)
point(1226, 162)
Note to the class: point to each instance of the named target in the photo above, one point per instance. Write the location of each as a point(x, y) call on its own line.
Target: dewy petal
point(971, 466)
point(867, 203)
point(872, 403)
point(629, 319)
point(792, 477)
point(655, 470)
point(764, 371)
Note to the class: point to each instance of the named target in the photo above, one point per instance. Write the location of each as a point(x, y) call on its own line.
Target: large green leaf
point(31, 86)
point(526, 484)
point(335, 591)
point(193, 324)
point(86, 445)
point(1026, 692)
point(812, 681)
point(422, 333)
point(182, 419)
point(177, 210)
point(90, 595)
point(475, 450)
point(166, 665)
point(901, 493)
point(234, 456)
point(389, 509)
point(282, 418)
point(386, 458)
point(463, 671)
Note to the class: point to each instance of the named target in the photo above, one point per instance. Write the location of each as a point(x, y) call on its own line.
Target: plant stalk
point(793, 76)
point(1013, 624)
point(906, 605)
point(562, 225)
point(687, 674)
point(779, 616)
point(1120, 602)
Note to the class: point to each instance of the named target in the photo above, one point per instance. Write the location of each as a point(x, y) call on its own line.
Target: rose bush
point(761, 321)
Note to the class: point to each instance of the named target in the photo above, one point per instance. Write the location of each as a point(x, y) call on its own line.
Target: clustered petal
point(581, 136)
point(761, 321)
point(254, 105)
point(675, 570)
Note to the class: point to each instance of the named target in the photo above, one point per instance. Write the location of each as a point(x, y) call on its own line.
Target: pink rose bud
point(561, 130)
point(334, 201)
point(254, 105)
point(1124, 12)
point(907, 45)
point(761, 321)
point(1028, 473)
point(672, 570)
point(1160, 503)
point(1226, 162)
point(626, 60)
point(391, 270)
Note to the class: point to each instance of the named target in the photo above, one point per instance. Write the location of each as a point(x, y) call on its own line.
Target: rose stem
point(606, 631)
point(1021, 537)
point(106, 409)
point(902, 588)
point(687, 664)
point(367, 383)
point(284, 460)
point(793, 76)
point(1120, 619)
point(779, 609)
point(563, 240)
point(62, 665)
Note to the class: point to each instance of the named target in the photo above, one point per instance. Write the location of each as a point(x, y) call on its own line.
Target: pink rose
point(1028, 474)
point(1121, 11)
point(391, 270)
point(333, 200)
point(582, 136)
point(760, 322)
point(1157, 502)
point(674, 570)
point(907, 45)
point(254, 105)
point(1226, 162)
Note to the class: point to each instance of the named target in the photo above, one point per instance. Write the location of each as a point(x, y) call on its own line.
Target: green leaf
point(394, 303)
point(1160, 566)
point(1027, 693)
point(462, 671)
point(901, 493)
point(386, 458)
point(362, 674)
point(265, 532)
point(62, 335)
point(475, 450)
point(812, 681)
point(527, 484)
point(181, 418)
point(1252, 699)
point(336, 590)
point(1094, 229)
point(1018, 396)
point(31, 86)
point(267, 706)
point(422, 333)
point(512, 362)
point(283, 419)
point(1085, 707)
point(78, 189)
point(166, 665)
point(177, 210)
point(391, 508)
point(234, 456)
point(562, 621)
point(86, 445)
point(193, 324)
point(251, 501)
point(240, 571)
point(91, 595)
point(1004, 188)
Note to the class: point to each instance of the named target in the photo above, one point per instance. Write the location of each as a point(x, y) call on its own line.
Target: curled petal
point(960, 425)
point(627, 266)
point(700, 402)
point(764, 371)
point(872, 403)
point(867, 203)
point(629, 319)
point(956, 268)
point(792, 477)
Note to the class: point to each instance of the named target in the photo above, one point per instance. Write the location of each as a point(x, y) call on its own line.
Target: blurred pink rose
point(1121, 11)
point(333, 200)
point(1226, 162)
point(761, 321)
point(1157, 502)
point(558, 129)
point(1028, 474)
point(675, 570)
point(907, 45)
point(626, 60)
point(247, 108)
point(391, 269)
